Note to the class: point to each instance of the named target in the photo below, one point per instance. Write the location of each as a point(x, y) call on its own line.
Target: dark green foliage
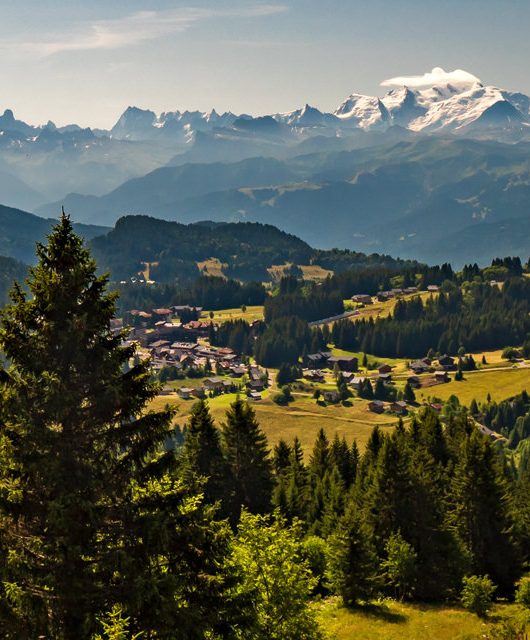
point(202, 460)
point(245, 449)
point(92, 514)
point(288, 373)
point(352, 562)
point(477, 594)
point(487, 318)
point(209, 292)
point(282, 342)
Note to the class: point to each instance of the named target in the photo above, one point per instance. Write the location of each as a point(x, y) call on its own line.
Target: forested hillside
point(245, 250)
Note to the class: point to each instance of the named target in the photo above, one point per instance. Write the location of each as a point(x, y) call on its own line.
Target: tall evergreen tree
point(202, 458)
point(245, 447)
point(89, 516)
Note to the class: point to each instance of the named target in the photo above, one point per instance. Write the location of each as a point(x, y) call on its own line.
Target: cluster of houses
point(257, 381)
point(383, 296)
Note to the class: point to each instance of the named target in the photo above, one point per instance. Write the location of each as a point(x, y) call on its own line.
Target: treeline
point(484, 318)
point(511, 418)
point(209, 292)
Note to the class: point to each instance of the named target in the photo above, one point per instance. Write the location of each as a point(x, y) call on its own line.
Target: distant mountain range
point(413, 173)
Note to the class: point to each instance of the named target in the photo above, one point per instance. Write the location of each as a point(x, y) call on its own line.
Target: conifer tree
point(480, 512)
point(352, 562)
point(202, 458)
point(245, 448)
point(89, 517)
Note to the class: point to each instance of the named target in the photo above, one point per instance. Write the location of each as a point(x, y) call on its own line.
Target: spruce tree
point(202, 458)
point(89, 516)
point(245, 448)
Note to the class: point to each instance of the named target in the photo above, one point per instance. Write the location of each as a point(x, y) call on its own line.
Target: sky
point(85, 62)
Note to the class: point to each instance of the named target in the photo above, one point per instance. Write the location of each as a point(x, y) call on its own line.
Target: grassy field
point(499, 384)
point(250, 314)
point(400, 621)
point(212, 267)
point(302, 418)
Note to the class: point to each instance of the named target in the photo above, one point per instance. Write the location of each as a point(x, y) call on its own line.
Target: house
point(254, 395)
point(316, 360)
point(255, 385)
point(419, 366)
point(383, 296)
point(198, 392)
point(414, 382)
point(384, 368)
point(441, 376)
point(313, 375)
point(357, 382)
point(362, 298)
point(446, 362)
point(184, 393)
point(385, 377)
point(237, 371)
point(399, 407)
point(331, 396)
point(165, 314)
point(214, 384)
point(376, 406)
point(433, 288)
point(345, 363)
point(409, 290)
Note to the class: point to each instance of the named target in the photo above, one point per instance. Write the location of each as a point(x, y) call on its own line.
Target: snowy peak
point(461, 109)
point(366, 112)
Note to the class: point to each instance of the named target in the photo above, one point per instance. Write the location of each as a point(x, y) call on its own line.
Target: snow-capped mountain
point(366, 112)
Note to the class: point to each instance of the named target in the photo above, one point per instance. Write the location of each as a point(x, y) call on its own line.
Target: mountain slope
point(19, 231)
point(169, 185)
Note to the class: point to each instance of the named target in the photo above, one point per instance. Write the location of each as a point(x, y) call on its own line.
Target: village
point(177, 341)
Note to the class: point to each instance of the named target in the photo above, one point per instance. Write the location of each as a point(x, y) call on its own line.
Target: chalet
point(384, 368)
point(376, 406)
point(254, 395)
point(255, 373)
point(186, 360)
point(385, 377)
point(357, 382)
point(414, 382)
point(185, 347)
point(433, 288)
point(255, 385)
point(441, 376)
point(237, 371)
point(157, 345)
point(345, 363)
point(165, 314)
point(316, 360)
point(383, 296)
point(313, 375)
point(198, 392)
point(166, 391)
point(214, 384)
point(409, 290)
point(419, 366)
point(399, 407)
point(184, 393)
point(362, 298)
point(446, 362)
point(348, 376)
point(331, 396)
point(396, 292)
point(197, 327)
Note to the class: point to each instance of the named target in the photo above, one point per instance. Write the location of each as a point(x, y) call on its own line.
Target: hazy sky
point(86, 61)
